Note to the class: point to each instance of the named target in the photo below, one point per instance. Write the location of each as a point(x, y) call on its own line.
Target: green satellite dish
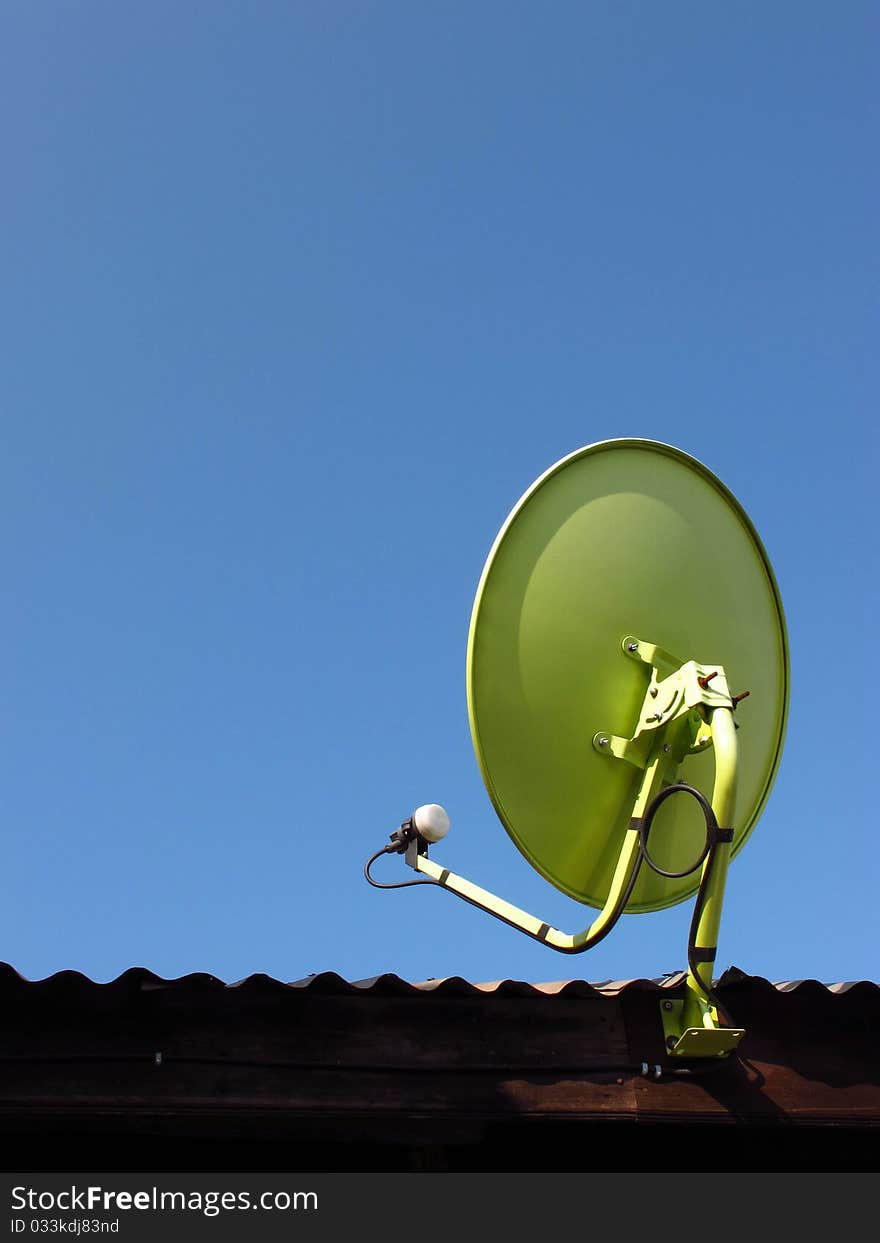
point(624, 589)
point(622, 538)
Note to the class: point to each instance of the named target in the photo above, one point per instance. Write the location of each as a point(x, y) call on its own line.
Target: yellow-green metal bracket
point(687, 708)
point(691, 1026)
point(566, 943)
point(692, 704)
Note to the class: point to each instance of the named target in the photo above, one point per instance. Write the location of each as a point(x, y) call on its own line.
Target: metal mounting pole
point(723, 801)
point(692, 1026)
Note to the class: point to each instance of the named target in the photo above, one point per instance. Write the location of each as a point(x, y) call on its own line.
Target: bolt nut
point(667, 1005)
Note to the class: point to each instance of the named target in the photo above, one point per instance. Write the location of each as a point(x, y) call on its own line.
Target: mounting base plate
point(696, 1041)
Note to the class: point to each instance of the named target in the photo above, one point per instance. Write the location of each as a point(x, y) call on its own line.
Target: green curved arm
point(565, 942)
point(724, 736)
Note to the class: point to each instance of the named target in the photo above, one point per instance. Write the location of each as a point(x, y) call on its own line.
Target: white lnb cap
point(431, 822)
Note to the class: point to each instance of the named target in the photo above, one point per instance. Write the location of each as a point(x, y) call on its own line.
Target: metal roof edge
point(140, 979)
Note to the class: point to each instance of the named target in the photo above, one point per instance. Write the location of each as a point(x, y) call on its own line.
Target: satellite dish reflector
point(622, 538)
point(624, 589)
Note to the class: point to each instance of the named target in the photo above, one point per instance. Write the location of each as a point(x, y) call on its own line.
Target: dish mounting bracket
point(682, 701)
point(678, 703)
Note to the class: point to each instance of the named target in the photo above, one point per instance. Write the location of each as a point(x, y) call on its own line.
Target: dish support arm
point(567, 943)
point(724, 736)
point(691, 1025)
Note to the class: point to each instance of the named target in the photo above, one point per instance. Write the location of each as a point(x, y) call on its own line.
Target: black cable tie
point(701, 954)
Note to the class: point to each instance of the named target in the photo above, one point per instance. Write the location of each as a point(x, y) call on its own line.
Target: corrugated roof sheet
point(502, 1068)
point(138, 979)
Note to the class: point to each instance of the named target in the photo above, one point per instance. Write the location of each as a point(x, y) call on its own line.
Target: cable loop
point(648, 820)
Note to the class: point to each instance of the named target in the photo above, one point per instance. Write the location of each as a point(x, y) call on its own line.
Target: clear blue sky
point(297, 299)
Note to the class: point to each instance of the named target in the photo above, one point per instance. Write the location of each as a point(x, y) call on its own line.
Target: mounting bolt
point(671, 1042)
point(653, 692)
point(666, 748)
point(632, 647)
point(667, 1005)
point(704, 681)
point(603, 742)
